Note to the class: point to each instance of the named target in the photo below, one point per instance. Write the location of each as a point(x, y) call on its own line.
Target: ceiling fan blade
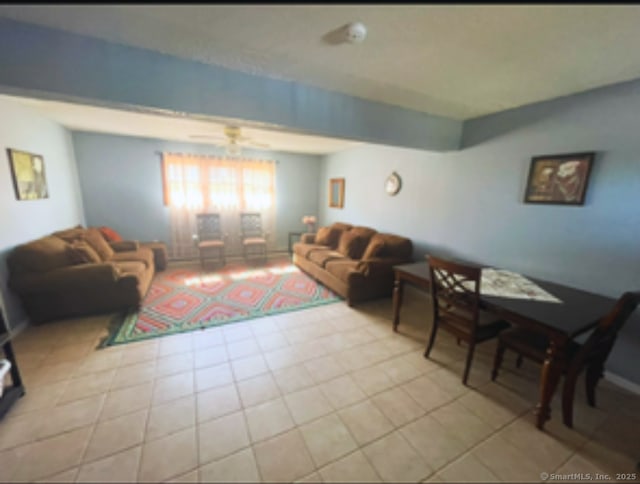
point(208, 137)
point(257, 144)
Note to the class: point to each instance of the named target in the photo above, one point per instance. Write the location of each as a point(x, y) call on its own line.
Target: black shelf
point(11, 393)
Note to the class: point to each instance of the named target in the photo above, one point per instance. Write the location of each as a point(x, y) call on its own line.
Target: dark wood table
point(578, 313)
point(416, 273)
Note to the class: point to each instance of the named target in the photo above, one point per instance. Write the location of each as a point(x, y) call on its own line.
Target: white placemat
point(509, 284)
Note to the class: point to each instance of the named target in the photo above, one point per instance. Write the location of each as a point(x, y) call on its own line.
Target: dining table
point(575, 312)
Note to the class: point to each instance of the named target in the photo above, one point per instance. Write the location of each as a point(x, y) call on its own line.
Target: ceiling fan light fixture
point(233, 149)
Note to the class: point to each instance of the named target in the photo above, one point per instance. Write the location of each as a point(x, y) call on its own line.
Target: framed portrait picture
point(559, 179)
point(28, 174)
point(336, 192)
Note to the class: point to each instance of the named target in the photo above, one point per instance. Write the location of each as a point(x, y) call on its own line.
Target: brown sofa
point(354, 262)
point(77, 272)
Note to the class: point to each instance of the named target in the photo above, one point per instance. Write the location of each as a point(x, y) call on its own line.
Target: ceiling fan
point(233, 140)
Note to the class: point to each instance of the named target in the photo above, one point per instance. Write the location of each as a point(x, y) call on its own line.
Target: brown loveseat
point(77, 272)
point(354, 262)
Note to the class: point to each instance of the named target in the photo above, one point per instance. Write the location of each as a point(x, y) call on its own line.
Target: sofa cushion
point(42, 255)
point(96, 240)
point(321, 256)
point(341, 226)
point(352, 245)
point(366, 232)
point(303, 250)
point(341, 267)
point(109, 234)
point(374, 249)
point(394, 246)
point(143, 254)
point(328, 236)
point(69, 235)
point(80, 252)
point(129, 267)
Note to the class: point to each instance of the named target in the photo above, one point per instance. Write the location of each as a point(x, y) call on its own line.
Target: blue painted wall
point(469, 203)
point(59, 65)
point(22, 221)
point(121, 183)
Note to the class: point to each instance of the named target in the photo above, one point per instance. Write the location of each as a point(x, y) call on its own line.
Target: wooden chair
point(210, 239)
point(590, 355)
point(455, 294)
point(254, 239)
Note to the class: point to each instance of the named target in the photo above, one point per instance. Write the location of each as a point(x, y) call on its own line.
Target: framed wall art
point(28, 174)
point(559, 179)
point(336, 192)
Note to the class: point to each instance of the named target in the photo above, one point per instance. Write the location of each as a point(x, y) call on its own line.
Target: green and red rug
point(186, 299)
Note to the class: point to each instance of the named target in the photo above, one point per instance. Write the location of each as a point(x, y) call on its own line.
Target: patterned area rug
point(186, 299)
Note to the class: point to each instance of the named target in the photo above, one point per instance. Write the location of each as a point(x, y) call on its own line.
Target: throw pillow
point(109, 234)
point(374, 249)
point(97, 242)
point(69, 235)
point(352, 245)
point(80, 252)
point(325, 236)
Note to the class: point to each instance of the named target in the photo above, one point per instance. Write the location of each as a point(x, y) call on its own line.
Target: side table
point(291, 235)
point(16, 390)
point(159, 253)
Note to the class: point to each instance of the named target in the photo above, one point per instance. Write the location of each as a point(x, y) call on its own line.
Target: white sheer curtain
point(202, 184)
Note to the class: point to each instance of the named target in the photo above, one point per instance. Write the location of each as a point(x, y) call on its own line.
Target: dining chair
point(210, 239)
point(253, 237)
point(455, 295)
point(589, 356)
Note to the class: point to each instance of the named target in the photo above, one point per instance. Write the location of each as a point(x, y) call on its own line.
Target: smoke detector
point(355, 32)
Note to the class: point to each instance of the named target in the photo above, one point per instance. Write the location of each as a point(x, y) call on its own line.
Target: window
point(204, 184)
point(200, 183)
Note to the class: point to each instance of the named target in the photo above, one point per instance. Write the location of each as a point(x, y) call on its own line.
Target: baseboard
point(622, 382)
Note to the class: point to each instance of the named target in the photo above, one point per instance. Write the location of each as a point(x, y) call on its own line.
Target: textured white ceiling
point(460, 61)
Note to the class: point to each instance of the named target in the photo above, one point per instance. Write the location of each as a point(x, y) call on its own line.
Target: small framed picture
point(559, 179)
point(29, 177)
point(336, 192)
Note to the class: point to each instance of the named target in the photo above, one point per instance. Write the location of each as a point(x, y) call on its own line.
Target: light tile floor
point(325, 394)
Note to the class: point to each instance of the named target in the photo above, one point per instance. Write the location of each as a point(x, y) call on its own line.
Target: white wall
point(21, 221)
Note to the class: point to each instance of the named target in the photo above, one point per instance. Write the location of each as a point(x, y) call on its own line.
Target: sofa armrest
point(66, 278)
point(378, 266)
point(308, 238)
point(125, 245)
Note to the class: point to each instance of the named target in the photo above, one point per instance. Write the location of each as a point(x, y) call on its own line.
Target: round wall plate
point(393, 184)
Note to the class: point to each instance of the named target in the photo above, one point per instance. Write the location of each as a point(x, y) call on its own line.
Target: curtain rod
point(160, 153)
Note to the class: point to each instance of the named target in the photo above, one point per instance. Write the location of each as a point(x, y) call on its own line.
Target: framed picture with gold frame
point(336, 192)
point(559, 179)
point(29, 177)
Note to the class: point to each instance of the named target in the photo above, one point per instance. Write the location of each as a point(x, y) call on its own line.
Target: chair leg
point(497, 359)
point(568, 393)
point(467, 368)
point(519, 361)
point(432, 339)
point(593, 375)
